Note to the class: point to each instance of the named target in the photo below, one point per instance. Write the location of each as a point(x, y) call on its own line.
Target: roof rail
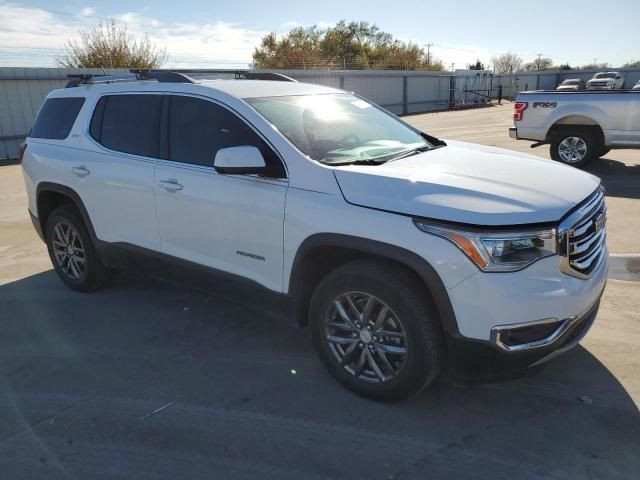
point(161, 76)
point(267, 76)
point(141, 74)
point(134, 75)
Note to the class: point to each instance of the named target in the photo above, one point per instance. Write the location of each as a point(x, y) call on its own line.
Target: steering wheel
point(351, 138)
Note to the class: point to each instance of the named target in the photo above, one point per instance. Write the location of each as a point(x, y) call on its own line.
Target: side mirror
point(239, 160)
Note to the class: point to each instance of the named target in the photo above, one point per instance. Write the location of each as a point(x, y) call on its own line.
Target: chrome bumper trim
point(563, 327)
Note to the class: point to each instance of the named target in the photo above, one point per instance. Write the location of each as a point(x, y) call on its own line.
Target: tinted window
point(199, 128)
point(128, 123)
point(56, 118)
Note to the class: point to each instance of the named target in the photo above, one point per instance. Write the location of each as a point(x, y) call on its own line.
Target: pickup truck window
point(338, 128)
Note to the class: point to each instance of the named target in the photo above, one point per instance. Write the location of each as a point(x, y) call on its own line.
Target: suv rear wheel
point(375, 332)
point(574, 146)
point(72, 252)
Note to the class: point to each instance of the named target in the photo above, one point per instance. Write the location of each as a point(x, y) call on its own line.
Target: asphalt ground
point(148, 379)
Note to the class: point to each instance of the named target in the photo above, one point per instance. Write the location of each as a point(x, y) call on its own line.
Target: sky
point(215, 34)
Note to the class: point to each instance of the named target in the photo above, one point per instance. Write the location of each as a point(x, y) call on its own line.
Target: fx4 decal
point(545, 104)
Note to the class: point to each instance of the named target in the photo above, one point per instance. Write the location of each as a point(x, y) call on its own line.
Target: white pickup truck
point(578, 126)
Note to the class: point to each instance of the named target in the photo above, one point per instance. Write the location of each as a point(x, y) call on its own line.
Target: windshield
point(604, 75)
point(338, 128)
point(571, 82)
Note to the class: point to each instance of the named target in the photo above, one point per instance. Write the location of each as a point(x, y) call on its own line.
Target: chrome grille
point(582, 237)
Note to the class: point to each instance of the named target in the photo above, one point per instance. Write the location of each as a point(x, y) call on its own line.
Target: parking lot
point(147, 379)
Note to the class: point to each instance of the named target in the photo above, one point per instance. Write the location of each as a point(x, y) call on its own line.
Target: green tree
point(110, 45)
point(476, 66)
point(539, 64)
point(595, 66)
point(356, 45)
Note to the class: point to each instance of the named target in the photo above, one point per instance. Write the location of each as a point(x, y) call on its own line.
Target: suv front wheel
point(72, 252)
point(374, 330)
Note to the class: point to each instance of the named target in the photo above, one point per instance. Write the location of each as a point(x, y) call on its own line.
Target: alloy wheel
point(68, 250)
point(366, 337)
point(572, 149)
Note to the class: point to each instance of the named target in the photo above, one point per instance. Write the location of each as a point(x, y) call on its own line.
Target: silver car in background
point(572, 84)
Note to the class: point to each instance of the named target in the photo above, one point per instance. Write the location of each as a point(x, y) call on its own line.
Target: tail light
point(21, 150)
point(518, 110)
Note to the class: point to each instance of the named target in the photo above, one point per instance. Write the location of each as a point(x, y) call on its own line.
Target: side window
point(128, 123)
point(56, 118)
point(199, 128)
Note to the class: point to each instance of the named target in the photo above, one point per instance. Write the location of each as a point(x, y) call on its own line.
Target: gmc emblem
point(545, 104)
point(600, 221)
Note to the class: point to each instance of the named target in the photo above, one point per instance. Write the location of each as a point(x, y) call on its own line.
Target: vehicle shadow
point(618, 178)
point(147, 379)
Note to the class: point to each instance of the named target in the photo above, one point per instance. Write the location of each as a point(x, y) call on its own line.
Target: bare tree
point(109, 45)
point(632, 64)
point(507, 63)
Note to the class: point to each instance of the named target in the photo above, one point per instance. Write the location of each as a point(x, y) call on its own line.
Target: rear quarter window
point(56, 118)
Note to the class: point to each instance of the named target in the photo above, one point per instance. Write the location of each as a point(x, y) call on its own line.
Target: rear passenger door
point(233, 223)
point(115, 176)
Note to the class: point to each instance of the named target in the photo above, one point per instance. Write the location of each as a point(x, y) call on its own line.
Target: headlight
point(498, 251)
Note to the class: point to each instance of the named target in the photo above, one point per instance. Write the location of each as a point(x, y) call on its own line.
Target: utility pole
point(429, 45)
point(539, 65)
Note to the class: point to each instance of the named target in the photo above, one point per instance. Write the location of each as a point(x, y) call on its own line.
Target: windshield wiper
point(356, 162)
point(414, 151)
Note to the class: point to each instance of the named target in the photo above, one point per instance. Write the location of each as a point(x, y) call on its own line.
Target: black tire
point(92, 273)
point(397, 289)
point(603, 152)
point(587, 136)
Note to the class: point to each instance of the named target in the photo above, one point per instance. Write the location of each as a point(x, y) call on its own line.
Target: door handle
point(170, 185)
point(81, 170)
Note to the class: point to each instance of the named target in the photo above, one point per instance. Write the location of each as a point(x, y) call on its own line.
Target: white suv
point(402, 252)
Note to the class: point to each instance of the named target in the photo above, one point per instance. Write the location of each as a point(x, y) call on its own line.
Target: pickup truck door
point(233, 223)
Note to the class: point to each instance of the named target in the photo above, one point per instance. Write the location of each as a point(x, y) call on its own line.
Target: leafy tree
point(595, 66)
point(539, 64)
point(476, 66)
point(358, 45)
point(507, 63)
point(632, 64)
point(109, 45)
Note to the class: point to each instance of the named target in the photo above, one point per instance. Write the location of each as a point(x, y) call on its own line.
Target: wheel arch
point(51, 195)
point(321, 253)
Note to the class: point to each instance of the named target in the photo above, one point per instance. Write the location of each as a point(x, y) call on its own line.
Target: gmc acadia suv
point(403, 253)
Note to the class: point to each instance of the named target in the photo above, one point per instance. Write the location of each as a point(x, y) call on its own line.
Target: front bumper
point(509, 322)
point(513, 132)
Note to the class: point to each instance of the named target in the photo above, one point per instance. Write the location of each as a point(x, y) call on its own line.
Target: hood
point(567, 87)
point(601, 80)
point(470, 184)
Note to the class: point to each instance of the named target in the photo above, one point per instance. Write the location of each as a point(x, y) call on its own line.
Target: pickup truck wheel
point(375, 332)
point(575, 147)
point(603, 151)
point(72, 252)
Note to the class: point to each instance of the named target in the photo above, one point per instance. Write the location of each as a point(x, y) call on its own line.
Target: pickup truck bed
point(579, 126)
